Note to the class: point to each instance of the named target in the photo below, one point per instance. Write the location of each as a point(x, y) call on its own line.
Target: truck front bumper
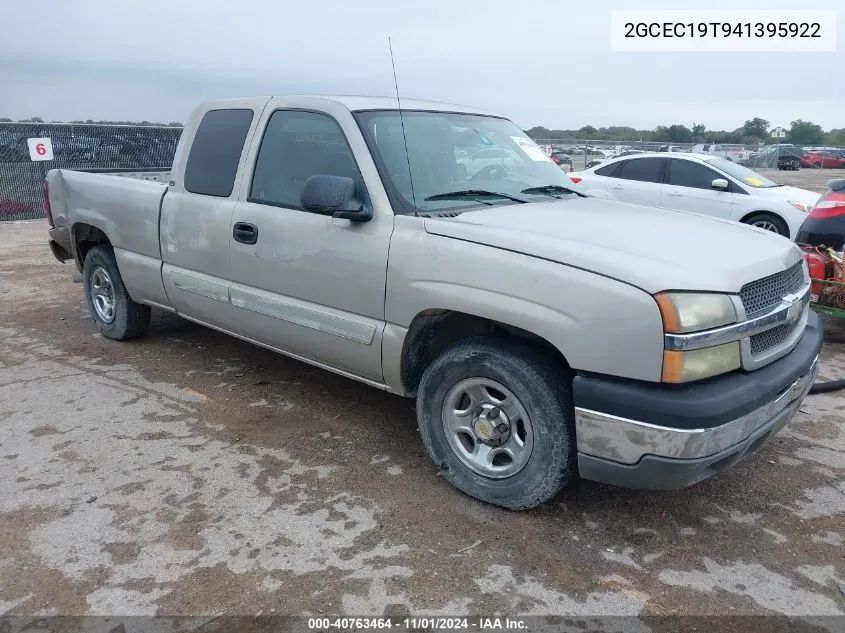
point(658, 436)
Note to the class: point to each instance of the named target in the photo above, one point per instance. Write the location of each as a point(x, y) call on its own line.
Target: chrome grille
point(764, 294)
point(764, 341)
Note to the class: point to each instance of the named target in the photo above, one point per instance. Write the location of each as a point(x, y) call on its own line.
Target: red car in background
point(826, 159)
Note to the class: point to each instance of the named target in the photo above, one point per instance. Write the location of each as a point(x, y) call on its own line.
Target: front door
point(308, 284)
point(689, 187)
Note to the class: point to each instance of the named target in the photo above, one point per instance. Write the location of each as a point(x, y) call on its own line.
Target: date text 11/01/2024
point(417, 623)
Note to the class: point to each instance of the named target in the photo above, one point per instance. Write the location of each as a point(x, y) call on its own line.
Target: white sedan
point(707, 185)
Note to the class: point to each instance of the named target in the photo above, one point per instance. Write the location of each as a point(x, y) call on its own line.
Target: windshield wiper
point(551, 190)
point(473, 193)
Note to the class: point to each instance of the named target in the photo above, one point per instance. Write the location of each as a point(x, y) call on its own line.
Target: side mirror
point(334, 196)
point(720, 183)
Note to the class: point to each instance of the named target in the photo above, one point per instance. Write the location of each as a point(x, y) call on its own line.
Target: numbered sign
point(40, 148)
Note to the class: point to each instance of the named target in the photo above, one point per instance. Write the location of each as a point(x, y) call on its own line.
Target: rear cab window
point(216, 149)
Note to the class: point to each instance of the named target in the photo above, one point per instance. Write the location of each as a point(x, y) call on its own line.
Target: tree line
point(753, 131)
point(36, 119)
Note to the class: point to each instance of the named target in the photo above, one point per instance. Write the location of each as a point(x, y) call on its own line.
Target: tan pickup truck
point(545, 334)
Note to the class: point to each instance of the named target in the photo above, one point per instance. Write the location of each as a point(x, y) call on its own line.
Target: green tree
point(805, 133)
point(587, 132)
point(676, 133)
point(620, 133)
point(835, 137)
point(5, 120)
point(698, 132)
point(756, 128)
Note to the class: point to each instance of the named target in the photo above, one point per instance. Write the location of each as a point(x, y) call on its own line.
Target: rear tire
point(117, 316)
point(534, 431)
point(768, 222)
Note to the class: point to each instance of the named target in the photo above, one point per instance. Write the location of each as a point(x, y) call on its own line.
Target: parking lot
point(812, 179)
point(191, 473)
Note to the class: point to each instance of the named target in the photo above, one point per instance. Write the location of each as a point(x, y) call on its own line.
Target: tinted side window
point(296, 146)
point(685, 173)
point(608, 170)
point(216, 151)
point(642, 169)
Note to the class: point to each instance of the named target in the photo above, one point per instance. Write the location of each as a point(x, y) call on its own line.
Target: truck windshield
point(458, 161)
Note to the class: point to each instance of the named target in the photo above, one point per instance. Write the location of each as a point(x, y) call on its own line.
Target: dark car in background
point(561, 159)
point(825, 226)
point(783, 157)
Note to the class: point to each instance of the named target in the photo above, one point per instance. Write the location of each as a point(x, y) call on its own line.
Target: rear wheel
point(117, 316)
point(497, 418)
point(768, 222)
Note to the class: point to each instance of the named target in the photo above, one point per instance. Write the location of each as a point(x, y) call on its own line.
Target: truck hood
point(653, 249)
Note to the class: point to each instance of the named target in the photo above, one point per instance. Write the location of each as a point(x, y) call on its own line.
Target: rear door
point(638, 180)
point(310, 285)
point(689, 188)
point(595, 182)
point(197, 211)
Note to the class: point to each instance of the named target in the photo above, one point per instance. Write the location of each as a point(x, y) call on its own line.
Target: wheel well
point(748, 216)
point(85, 237)
point(433, 331)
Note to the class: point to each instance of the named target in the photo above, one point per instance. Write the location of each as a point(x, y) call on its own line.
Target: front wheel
point(497, 418)
point(768, 222)
point(117, 316)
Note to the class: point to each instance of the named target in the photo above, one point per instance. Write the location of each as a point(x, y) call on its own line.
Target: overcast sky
point(539, 62)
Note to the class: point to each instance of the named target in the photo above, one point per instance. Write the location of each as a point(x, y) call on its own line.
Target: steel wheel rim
point(766, 225)
point(102, 294)
point(473, 429)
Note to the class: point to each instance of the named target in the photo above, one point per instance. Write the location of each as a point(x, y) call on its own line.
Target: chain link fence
point(87, 147)
point(587, 153)
point(116, 148)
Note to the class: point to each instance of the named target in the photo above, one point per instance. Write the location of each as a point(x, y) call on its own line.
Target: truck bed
point(125, 206)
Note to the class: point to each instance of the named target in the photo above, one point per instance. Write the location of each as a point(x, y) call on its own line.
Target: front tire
point(518, 456)
point(768, 222)
point(116, 315)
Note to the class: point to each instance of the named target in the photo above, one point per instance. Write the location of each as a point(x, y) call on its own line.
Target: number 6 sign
point(40, 148)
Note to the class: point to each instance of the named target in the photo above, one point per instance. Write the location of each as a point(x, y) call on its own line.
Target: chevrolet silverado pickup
point(545, 334)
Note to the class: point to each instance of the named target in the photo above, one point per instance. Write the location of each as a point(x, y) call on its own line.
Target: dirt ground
point(189, 473)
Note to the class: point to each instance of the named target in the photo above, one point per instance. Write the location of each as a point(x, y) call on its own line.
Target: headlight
point(685, 312)
point(804, 208)
point(692, 311)
point(700, 363)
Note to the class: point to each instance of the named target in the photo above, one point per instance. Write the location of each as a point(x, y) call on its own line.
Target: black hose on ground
point(830, 385)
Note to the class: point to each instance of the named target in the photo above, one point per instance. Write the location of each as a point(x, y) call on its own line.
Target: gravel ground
point(189, 473)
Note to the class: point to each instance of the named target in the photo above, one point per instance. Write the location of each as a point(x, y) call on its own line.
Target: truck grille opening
point(764, 341)
point(764, 294)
